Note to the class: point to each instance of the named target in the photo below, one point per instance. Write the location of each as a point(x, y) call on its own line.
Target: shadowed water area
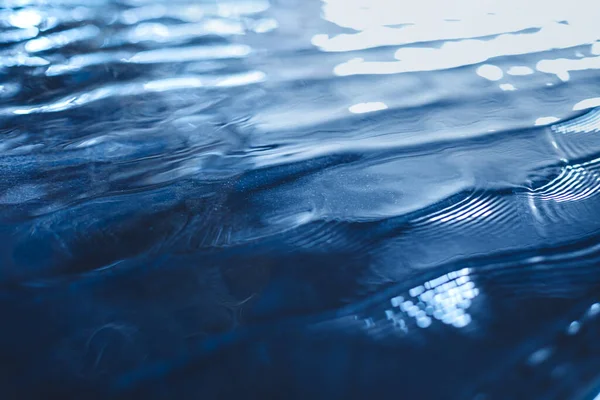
point(300, 199)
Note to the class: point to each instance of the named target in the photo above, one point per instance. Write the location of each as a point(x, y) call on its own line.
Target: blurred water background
point(300, 199)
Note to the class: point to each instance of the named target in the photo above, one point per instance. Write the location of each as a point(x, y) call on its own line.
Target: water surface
point(300, 199)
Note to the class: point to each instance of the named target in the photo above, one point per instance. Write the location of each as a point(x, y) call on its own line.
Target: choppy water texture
point(300, 199)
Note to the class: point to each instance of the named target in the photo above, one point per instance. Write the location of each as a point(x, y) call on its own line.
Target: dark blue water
point(337, 199)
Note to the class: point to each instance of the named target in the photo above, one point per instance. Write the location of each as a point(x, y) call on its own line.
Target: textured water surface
point(300, 199)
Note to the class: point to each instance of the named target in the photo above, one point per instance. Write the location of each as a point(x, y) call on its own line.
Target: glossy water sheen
point(300, 199)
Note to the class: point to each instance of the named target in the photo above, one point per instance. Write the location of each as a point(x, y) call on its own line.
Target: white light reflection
point(519, 71)
point(17, 35)
point(562, 66)
point(158, 32)
point(22, 60)
point(362, 108)
point(135, 15)
point(190, 53)
point(539, 356)
point(173, 84)
point(545, 121)
point(241, 79)
point(193, 12)
point(469, 210)
point(574, 328)
point(575, 182)
point(444, 299)
point(25, 19)
point(78, 62)
point(137, 88)
point(589, 122)
point(183, 54)
point(490, 72)
point(265, 25)
point(465, 52)
point(383, 22)
point(587, 103)
point(479, 32)
point(507, 87)
point(62, 38)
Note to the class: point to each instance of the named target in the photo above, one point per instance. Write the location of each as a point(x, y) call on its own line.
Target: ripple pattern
point(299, 199)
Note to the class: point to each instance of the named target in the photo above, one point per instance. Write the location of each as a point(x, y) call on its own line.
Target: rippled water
point(300, 199)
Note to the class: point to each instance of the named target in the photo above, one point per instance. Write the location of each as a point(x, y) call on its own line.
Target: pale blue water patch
point(300, 199)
